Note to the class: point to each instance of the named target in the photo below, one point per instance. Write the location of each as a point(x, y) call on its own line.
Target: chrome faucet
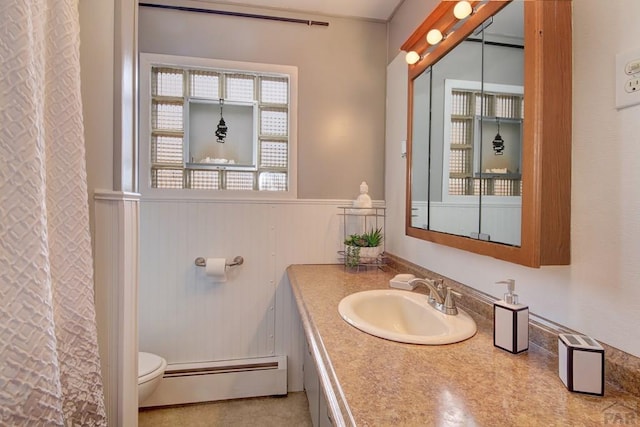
point(440, 298)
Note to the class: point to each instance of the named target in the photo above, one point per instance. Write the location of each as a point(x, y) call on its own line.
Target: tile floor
point(287, 411)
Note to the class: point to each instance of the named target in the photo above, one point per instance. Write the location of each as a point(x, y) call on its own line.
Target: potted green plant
point(363, 248)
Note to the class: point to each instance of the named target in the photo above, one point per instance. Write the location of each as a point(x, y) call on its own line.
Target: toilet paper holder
point(202, 262)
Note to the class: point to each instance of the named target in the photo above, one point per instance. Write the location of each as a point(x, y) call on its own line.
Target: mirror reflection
point(466, 151)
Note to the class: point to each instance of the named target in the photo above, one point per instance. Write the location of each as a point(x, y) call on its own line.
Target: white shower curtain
point(49, 363)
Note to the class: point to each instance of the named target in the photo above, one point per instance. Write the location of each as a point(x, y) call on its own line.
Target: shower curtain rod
point(237, 14)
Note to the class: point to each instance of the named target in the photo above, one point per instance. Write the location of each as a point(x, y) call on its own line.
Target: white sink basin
point(404, 316)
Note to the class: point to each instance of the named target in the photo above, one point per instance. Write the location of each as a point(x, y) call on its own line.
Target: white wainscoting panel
point(187, 318)
point(308, 233)
point(116, 292)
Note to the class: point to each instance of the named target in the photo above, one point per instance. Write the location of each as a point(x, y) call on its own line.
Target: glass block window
point(167, 82)
point(459, 161)
point(481, 186)
point(461, 103)
point(167, 178)
point(508, 106)
point(204, 84)
point(205, 180)
point(273, 181)
point(273, 154)
point(175, 97)
point(485, 105)
point(274, 121)
point(501, 187)
point(461, 131)
point(274, 90)
point(166, 149)
point(239, 180)
point(167, 115)
point(458, 186)
point(240, 87)
point(506, 187)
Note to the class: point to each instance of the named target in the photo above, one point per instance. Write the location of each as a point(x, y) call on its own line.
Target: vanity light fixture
point(434, 36)
point(221, 130)
point(412, 57)
point(498, 142)
point(462, 9)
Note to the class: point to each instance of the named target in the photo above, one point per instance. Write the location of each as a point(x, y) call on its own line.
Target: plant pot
point(370, 255)
point(356, 255)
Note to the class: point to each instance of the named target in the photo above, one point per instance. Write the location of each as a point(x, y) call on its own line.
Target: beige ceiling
point(370, 9)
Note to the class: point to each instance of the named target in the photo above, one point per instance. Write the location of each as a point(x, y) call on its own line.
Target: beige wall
point(599, 293)
point(341, 84)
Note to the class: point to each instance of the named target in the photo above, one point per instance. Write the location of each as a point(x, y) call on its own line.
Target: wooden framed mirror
point(539, 175)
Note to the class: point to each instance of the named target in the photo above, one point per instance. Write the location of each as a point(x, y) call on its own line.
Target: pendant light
point(221, 131)
point(498, 142)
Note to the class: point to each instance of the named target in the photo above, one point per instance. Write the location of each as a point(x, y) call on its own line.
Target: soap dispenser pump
point(510, 321)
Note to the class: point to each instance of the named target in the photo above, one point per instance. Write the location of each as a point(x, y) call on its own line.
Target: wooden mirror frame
point(546, 151)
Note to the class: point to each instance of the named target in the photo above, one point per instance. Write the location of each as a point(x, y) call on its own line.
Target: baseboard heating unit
point(228, 379)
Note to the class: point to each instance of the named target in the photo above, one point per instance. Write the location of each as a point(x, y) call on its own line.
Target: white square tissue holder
point(581, 364)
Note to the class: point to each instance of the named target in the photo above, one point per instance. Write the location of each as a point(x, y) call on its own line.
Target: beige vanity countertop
point(370, 381)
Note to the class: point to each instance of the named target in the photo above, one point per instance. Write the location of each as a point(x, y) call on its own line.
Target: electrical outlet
point(632, 85)
point(627, 78)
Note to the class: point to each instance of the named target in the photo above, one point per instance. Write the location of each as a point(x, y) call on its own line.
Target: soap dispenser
point(510, 321)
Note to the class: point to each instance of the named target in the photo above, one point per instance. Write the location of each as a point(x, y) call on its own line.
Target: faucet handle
point(439, 284)
point(437, 293)
point(449, 301)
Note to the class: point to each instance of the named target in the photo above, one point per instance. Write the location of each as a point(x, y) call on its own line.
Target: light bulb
point(462, 9)
point(412, 57)
point(434, 36)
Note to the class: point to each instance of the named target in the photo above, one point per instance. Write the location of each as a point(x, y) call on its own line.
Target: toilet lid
point(148, 363)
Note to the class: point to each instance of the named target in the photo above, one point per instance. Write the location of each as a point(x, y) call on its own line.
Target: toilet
point(150, 371)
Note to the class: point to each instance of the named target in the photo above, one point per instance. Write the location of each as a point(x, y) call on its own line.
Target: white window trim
point(148, 60)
